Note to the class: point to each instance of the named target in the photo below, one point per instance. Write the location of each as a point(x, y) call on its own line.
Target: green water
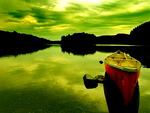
point(50, 81)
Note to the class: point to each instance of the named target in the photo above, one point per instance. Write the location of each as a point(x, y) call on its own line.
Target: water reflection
point(15, 51)
point(50, 81)
point(79, 50)
point(141, 53)
point(43, 82)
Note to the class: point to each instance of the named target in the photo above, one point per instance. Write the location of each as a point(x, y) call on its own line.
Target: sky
point(52, 19)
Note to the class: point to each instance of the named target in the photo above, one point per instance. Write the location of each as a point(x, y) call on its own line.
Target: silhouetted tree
point(78, 38)
point(141, 34)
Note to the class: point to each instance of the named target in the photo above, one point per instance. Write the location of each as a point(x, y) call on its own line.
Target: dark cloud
point(43, 15)
point(40, 14)
point(19, 13)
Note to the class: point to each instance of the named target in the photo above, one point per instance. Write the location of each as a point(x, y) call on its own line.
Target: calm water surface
point(50, 81)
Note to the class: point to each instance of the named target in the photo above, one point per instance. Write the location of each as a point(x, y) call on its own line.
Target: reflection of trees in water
point(15, 51)
point(79, 49)
point(141, 53)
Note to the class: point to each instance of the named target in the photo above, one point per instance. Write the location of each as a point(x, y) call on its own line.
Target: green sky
point(53, 18)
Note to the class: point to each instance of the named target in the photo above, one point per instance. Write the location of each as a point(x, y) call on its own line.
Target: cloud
point(59, 17)
point(46, 15)
point(40, 3)
point(112, 15)
point(19, 14)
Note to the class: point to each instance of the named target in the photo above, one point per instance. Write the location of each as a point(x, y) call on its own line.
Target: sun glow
point(91, 1)
point(62, 4)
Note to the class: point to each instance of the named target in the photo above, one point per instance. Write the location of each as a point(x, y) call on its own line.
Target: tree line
point(17, 39)
point(139, 36)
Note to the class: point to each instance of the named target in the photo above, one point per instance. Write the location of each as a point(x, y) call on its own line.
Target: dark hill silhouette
point(14, 44)
point(138, 36)
point(120, 38)
point(87, 39)
point(13, 39)
point(141, 33)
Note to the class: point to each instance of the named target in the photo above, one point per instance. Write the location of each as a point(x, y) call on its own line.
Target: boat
point(124, 70)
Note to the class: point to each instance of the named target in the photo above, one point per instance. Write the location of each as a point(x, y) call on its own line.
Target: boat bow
point(124, 70)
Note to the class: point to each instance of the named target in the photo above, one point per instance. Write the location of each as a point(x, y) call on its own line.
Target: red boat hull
point(126, 81)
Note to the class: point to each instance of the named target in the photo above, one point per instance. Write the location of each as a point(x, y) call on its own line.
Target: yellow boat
point(123, 61)
point(124, 70)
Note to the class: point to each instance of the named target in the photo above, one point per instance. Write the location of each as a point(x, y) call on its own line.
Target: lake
point(51, 81)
